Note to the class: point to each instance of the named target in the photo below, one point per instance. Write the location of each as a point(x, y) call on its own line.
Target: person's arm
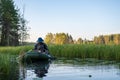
point(45, 46)
point(35, 47)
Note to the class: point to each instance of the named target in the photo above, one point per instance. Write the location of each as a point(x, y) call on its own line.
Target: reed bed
point(8, 55)
point(104, 52)
point(8, 63)
point(14, 50)
point(8, 68)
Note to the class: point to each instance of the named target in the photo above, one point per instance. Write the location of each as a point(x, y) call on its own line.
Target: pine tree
point(10, 23)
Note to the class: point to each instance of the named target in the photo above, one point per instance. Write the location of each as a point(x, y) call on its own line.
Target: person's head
point(40, 40)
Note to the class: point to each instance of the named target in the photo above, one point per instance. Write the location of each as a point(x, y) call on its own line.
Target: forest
point(13, 30)
point(65, 38)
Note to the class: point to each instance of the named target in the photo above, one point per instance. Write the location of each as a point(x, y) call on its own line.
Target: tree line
point(107, 39)
point(65, 38)
point(59, 38)
point(13, 30)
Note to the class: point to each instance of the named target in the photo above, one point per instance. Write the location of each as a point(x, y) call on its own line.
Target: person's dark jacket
point(41, 46)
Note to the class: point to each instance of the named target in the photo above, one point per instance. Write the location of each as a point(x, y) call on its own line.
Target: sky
point(79, 18)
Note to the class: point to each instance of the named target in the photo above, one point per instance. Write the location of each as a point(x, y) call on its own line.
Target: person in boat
point(41, 46)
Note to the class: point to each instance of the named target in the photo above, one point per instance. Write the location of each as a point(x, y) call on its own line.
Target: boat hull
point(36, 56)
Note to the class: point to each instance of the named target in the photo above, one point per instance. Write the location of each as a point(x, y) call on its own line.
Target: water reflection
point(9, 72)
point(36, 70)
point(42, 69)
point(83, 70)
point(70, 70)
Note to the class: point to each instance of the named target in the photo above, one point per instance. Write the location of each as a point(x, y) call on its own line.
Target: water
point(70, 70)
point(61, 70)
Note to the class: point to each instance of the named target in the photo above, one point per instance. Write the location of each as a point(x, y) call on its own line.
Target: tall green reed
point(8, 68)
point(14, 50)
point(106, 52)
point(8, 63)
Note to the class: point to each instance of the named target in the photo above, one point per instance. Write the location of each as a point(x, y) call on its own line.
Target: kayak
point(37, 56)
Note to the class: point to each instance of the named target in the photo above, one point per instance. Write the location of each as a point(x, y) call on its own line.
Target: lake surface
point(70, 70)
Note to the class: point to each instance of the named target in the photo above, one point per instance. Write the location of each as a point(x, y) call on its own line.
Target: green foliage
point(8, 67)
point(49, 38)
point(58, 38)
point(107, 39)
point(8, 62)
point(105, 52)
point(82, 51)
point(63, 38)
point(79, 41)
point(11, 22)
point(15, 50)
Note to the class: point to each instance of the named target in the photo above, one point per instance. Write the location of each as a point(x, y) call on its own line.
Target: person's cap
point(40, 40)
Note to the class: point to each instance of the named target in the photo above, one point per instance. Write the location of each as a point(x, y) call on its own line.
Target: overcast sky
point(80, 18)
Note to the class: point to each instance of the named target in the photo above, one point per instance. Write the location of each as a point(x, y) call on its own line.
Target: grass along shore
point(14, 50)
point(70, 51)
point(105, 52)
